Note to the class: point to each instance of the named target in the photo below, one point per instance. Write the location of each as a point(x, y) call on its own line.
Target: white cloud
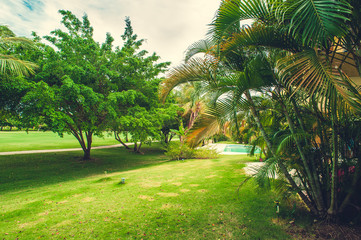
point(169, 26)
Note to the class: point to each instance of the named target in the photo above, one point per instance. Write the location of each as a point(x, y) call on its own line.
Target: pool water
point(238, 148)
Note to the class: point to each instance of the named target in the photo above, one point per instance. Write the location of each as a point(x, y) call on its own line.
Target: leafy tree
point(170, 116)
point(72, 92)
point(136, 105)
point(70, 108)
point(85, 87)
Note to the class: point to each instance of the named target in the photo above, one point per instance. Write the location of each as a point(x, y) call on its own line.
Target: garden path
point(58, 150)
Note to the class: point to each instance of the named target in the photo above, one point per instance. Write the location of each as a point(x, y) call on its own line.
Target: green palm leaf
point(308, 71)
point(15, 66)
point(10, 64)
point(205, 46)
point(266, 172)
point(317, 21)
point(230, 13)
point(196, 69)
point(261, 35)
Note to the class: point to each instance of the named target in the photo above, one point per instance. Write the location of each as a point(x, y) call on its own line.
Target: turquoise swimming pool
point(239, 148)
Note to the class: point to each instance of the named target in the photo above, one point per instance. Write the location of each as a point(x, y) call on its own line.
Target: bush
point(220, 137)
point(206, 153)
point(177, 151)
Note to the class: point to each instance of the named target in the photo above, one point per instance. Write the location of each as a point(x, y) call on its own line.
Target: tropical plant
point(10, 63)
point(316, 103)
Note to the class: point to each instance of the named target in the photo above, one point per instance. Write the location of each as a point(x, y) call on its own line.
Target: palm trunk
point(313, 164)
point(333, 205)
point(280, 161)
point(314, 184)
point(237, 126)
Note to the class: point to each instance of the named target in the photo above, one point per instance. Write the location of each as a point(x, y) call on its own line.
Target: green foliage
point(181, 151)
point(69, 108)
point(220, 137)
point(169, 115)
point(283, 82)
point(144, 126)
point(12, 89)
point(11, 62)
point(85, 87)
point(135, 101)
point(206, 153)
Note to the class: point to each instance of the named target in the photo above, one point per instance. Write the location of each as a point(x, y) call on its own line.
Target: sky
point(169, 26)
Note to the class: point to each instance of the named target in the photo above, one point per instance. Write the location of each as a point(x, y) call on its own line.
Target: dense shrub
point(204, 153)
point(177, 151)
point(220, 137)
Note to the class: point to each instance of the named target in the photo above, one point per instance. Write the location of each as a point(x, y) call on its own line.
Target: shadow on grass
point(19, 172)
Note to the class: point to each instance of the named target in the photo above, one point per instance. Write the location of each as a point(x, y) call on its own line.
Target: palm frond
point(197, 69)
point(206, 126)
point(16, 40)
point(205, 46)
point(308, 71)
point(230, 13)
point(261, 35)
point(266, 172)
point(211, 122)
point(317, 21)
point(15, 66)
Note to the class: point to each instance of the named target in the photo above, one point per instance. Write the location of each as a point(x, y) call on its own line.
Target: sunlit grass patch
point(55, 197)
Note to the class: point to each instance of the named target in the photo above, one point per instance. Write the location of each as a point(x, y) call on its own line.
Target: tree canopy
point(85, 88)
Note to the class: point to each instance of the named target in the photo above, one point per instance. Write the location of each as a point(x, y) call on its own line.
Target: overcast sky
point(169, 26)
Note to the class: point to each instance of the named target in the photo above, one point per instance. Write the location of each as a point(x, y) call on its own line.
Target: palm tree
point(231, 87)
point(308, 80)
point(322, 40)
point(9, 62)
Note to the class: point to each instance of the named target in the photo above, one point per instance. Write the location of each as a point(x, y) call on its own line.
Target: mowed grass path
point(56, 196)
point(21, 141)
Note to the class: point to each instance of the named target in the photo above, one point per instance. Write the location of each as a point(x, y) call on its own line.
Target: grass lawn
point(56, 196)
point(20, 140)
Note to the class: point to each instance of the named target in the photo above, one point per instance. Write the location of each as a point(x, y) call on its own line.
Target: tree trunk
point(170, 137)
point(126, 137)
point(86, 156)
point(333, 205)
point(280, 161)
point(166, 140)
point(89, 140)
point(137, 148)
point(315, 188)
point(117, 137)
